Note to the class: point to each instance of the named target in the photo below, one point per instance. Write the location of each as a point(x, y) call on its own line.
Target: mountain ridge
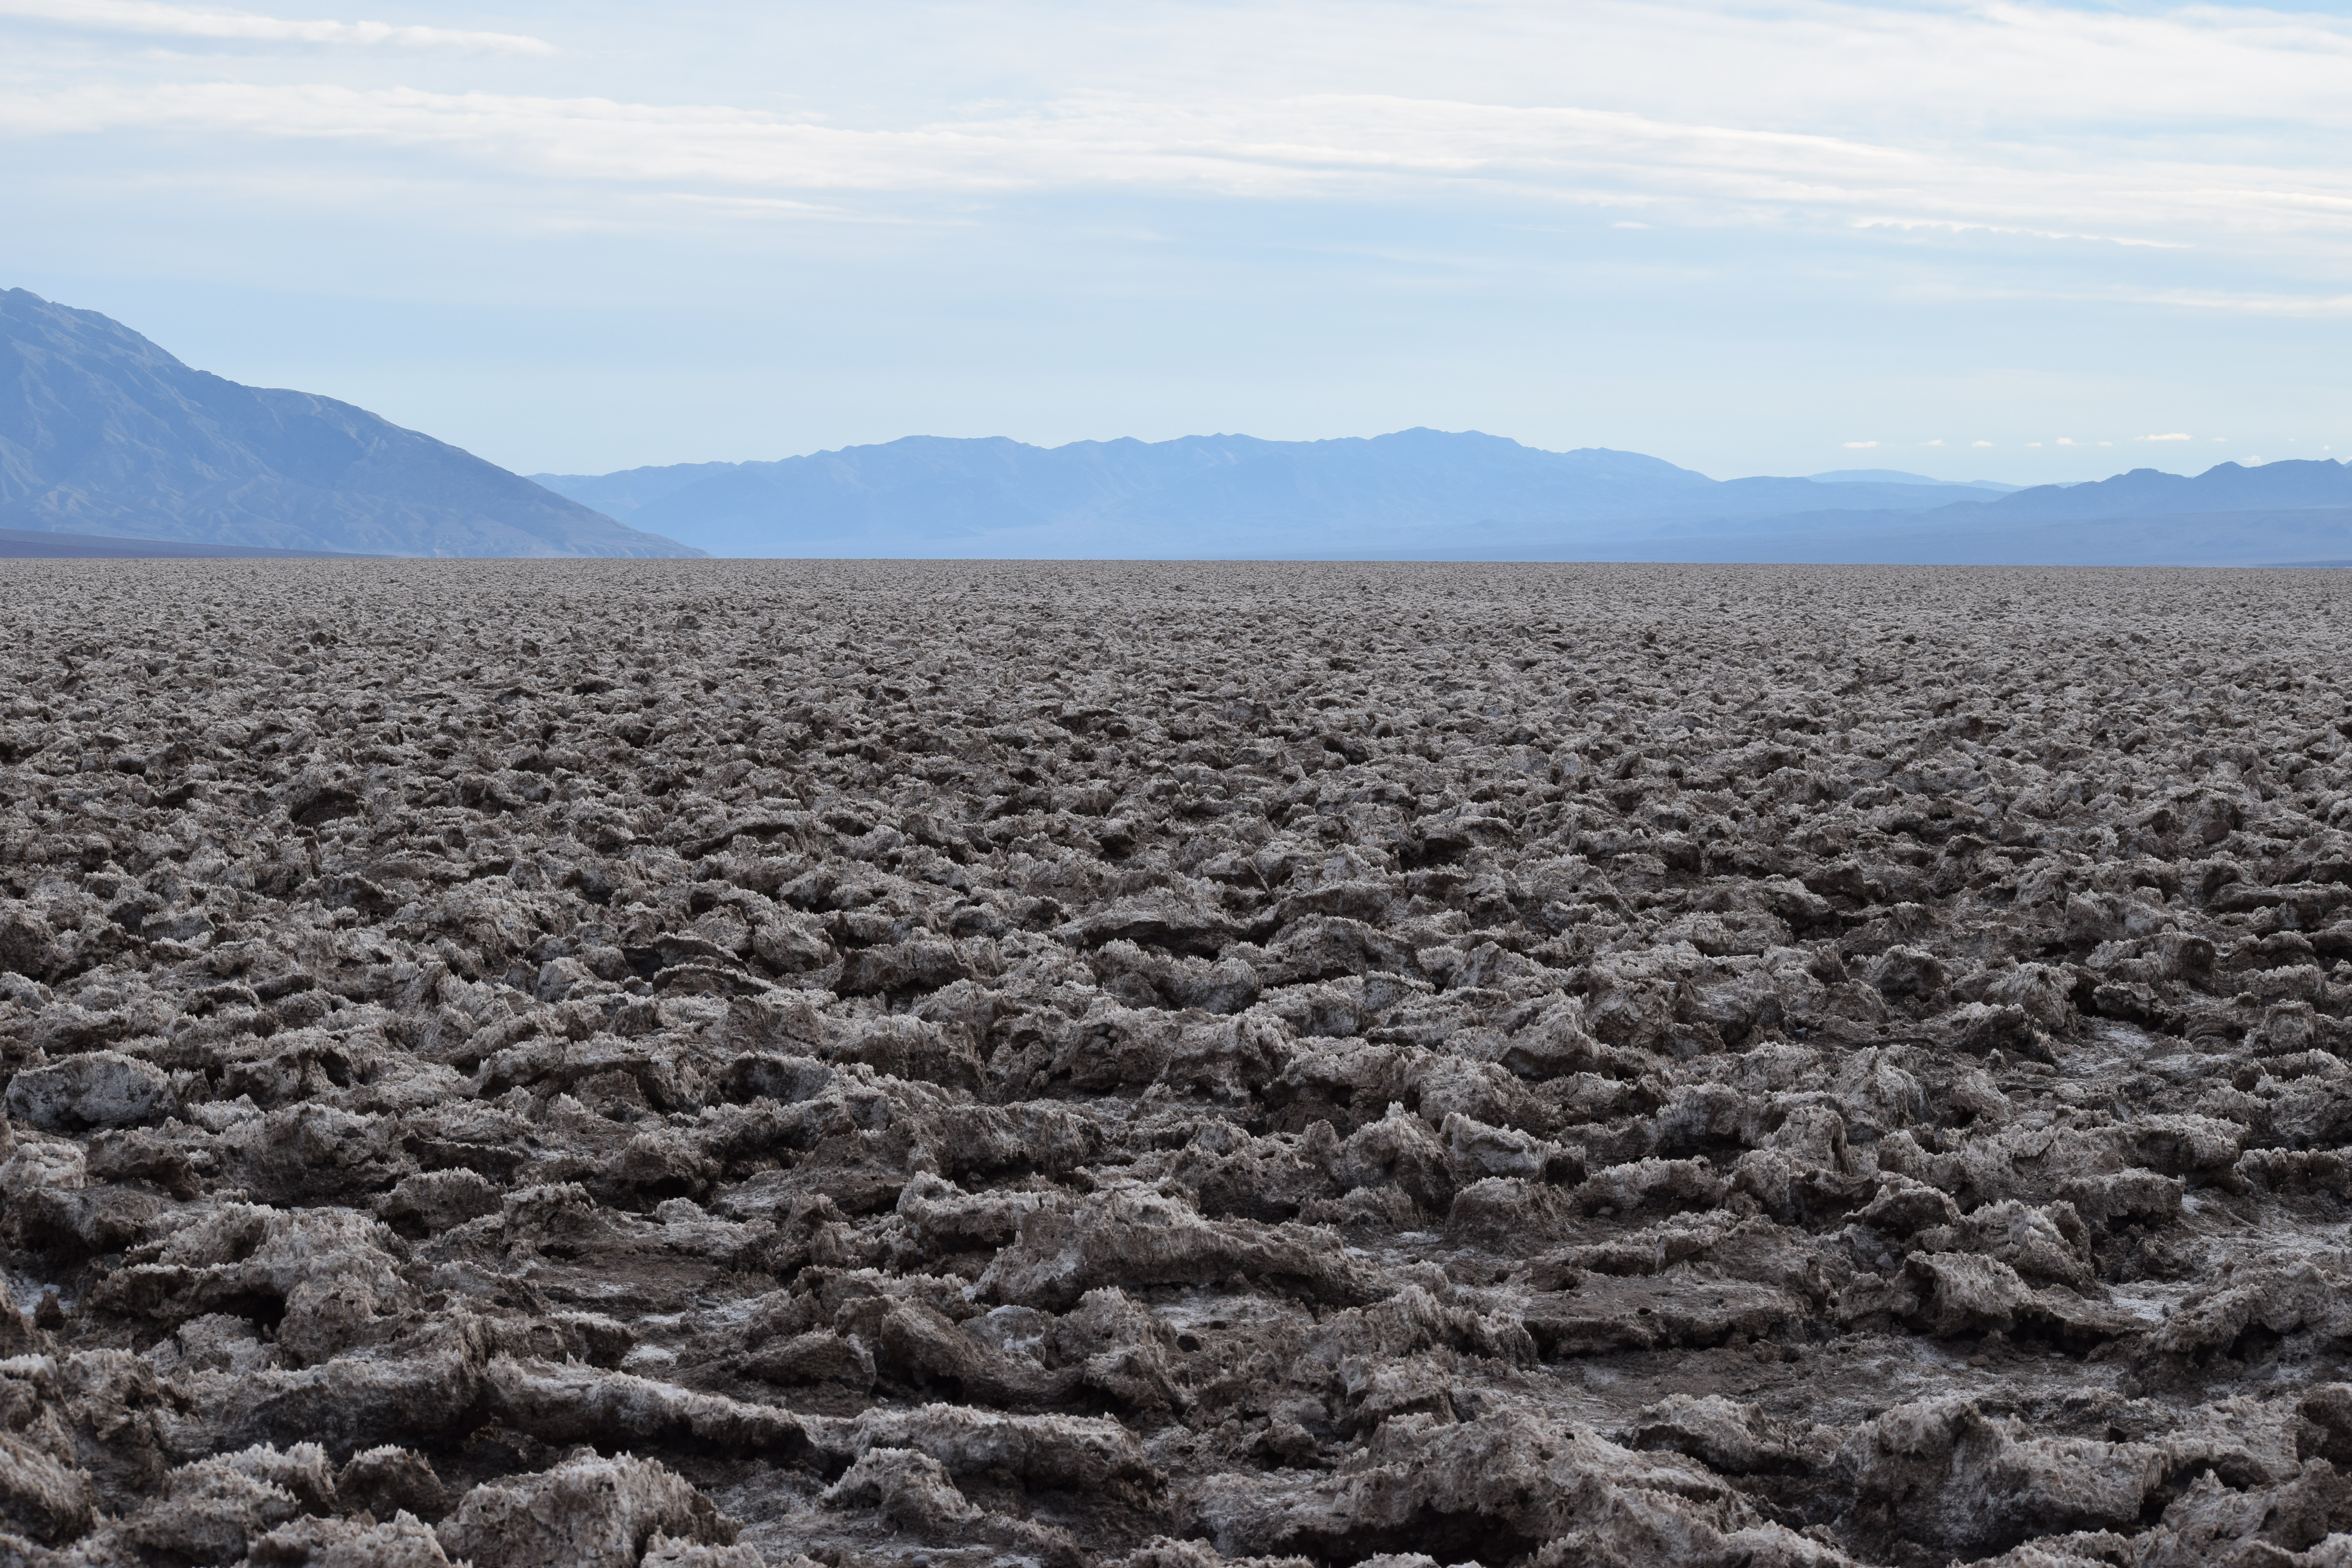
point(1219, 493)
point(102, 432)
point(2273, 491)
point(1465, 495)
point(2290, 484)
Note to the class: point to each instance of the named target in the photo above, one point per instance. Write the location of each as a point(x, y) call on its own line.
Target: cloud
point(1860, 446)
point(203, 22)
point(1953, 225)
point(1980, 443)
point(2248, 301)
point(2065, 440)
point(1352, 146)
point(1935, 442)
point(2175, 435)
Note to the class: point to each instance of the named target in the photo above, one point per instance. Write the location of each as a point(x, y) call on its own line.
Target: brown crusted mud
point(942, 1065)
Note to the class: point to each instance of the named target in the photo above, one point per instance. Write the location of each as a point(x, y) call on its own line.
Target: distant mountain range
point(2229, 515)
point(109, 446)
point(104, 434)
point(1200, 495)
point(1430, 494)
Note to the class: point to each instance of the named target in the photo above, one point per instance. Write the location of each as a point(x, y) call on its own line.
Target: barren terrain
point(940, 1065)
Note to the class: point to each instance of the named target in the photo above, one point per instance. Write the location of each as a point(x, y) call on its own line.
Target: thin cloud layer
point(247, 27)
point(1355, 147)
point(2191, 130)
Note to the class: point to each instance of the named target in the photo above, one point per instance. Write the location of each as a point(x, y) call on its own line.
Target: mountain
point(1428, 494)
point(1200, 495)
point(2148, 492)
point(2228, 515)
point(102, 432)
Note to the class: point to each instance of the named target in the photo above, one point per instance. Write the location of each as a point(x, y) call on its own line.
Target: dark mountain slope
point(102, 432)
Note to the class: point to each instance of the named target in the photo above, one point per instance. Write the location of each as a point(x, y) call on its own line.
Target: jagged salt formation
point(943, 1065)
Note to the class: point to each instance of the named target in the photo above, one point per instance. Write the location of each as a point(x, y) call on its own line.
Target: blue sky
point(1997, 240)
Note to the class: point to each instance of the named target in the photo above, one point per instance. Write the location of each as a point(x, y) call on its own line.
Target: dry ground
point(943, 1064)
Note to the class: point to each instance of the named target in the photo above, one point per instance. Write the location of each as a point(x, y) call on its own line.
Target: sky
point(2022, 242)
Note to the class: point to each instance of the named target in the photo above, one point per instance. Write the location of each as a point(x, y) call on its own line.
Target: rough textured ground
point(720, 1064)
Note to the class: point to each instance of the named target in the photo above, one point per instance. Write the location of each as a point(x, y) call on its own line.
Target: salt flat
point(953, 1063)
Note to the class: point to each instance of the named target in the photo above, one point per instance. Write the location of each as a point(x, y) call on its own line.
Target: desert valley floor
point(949, 1063)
